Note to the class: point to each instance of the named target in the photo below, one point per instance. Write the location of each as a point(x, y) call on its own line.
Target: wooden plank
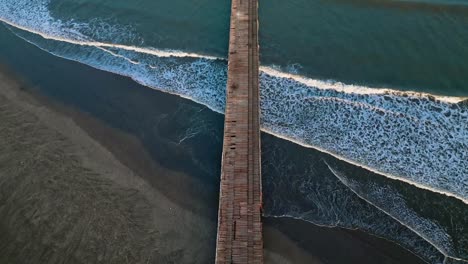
point(239, 238)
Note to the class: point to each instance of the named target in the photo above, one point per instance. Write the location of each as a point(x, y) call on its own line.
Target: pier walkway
point(239, 238)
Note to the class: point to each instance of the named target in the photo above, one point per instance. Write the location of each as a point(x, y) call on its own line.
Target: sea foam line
point(149, 51)
point(355, 89)
point(356, 228)
point(422, 235)
point(121, 74)
point(347, 228)
point(393, 177)
point(325, 85)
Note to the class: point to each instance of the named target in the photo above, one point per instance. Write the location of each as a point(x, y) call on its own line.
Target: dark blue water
point(414, 145)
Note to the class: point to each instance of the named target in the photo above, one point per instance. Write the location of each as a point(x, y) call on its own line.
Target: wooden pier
point(239, 238)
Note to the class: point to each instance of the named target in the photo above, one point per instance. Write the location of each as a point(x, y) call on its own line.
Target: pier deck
point(239, 238)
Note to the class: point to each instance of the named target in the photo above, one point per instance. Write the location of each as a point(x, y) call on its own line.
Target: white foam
point(353, 89)
point(413, 137)
point(403, 135)
point(409, 137)
point(34, 17)
point(389, 201)
point(305, 191)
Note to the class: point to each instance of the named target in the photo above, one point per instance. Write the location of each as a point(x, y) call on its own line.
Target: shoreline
point(135, 221)
point(339, 245)
point(266, 69)
point(132, 155)
point(338, 86)
point(156, 119)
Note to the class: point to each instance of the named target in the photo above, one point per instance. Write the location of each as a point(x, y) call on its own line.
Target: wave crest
point(415, 137)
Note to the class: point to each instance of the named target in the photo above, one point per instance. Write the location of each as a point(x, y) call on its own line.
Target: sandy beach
point(113, 117)
point(81, 191)
point(88, 193)
point(66, 198)
point(302, 242)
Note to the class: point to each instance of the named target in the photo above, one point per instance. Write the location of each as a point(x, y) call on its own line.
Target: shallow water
point(419, 140)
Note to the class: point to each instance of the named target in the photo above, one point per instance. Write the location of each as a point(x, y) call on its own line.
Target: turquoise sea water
point(340, 53)
point(416, 45)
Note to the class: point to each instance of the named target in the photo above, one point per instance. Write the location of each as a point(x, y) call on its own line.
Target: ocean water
point(374, 92)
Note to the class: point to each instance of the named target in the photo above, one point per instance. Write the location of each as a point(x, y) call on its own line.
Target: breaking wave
point(389, 200)
point(412, 137)
point(305, 188)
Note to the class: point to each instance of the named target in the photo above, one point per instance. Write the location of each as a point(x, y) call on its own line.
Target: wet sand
point(303, 242)
point(117, 172)
point(91, 193)
point(65, 198)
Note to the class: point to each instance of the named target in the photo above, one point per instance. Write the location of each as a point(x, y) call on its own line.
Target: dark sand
point(331, 245)
point(74, 190)
point(64, 198)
